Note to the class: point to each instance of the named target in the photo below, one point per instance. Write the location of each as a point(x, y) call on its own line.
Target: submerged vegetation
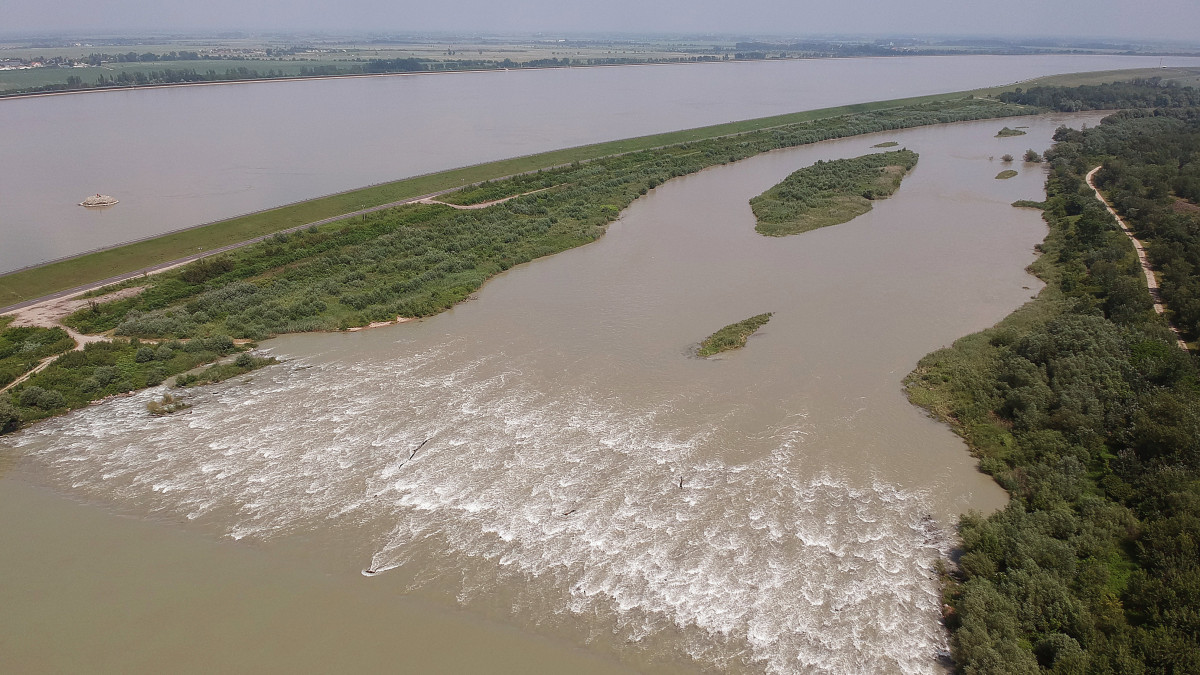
point(219, 372)
point(830, 193)
point(1006, 132)
point(1082, 406)
point(886, 144)
point(733, 336)
point(1006, 174)
point(168, 404)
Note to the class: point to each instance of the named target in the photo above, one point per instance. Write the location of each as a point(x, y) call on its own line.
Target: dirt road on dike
point(1147, 269)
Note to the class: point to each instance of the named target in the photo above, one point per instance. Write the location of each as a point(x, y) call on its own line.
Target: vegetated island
point(1006, 132)
point(733, 336)
point(1006, 174)
point(830, 193)
point(886, 144)
point(1082, 406)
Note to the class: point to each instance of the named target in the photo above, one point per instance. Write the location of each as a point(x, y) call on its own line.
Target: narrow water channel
point(585, 493)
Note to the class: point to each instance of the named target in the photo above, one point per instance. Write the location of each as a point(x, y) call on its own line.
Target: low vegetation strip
point(830, 193)
point(93, 267)
point(1006, 174)
point(90, 268)
point(22, 348)
point(419, 259)
point(1081, 406)
point(733, 336)
point(1006, 132)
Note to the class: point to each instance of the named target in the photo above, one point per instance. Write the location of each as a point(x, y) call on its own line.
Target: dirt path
point(50, 313)
point(37, 369)
point(172, 264)
point(1151, 280)
point(481, 205)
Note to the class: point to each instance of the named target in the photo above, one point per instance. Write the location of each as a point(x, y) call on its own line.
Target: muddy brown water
point(177, 157)
point(540, 524)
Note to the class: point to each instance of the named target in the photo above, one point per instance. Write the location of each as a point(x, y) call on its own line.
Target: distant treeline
point(1082, 406)
point(1137, 93)
point(827, 49)
point(75, 82)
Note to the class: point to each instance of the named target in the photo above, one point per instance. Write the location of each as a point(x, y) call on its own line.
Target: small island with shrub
point(733, 336)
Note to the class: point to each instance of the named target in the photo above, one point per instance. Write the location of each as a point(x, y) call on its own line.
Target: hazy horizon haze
point(1165, 20)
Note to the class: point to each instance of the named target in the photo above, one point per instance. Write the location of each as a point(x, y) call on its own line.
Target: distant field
point(343, 56)
point(1182, 76)
point(37, 77)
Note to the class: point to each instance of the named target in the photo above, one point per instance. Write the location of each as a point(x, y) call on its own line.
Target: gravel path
point(1151, 280)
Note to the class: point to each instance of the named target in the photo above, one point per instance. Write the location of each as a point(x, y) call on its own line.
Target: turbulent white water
point(576, 497)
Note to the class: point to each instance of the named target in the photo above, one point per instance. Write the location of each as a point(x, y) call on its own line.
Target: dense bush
point(22, 348)
point(829, 193)
point(106, 368)
point(1081, 405)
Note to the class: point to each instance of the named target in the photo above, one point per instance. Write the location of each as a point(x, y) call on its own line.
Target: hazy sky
point(1144, 19)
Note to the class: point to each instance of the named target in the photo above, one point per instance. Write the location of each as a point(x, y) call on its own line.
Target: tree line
point(1081, 405)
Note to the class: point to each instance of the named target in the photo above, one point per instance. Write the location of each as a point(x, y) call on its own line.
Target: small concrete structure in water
point(99, 200)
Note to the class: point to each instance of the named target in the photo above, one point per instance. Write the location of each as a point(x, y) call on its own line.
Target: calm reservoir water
point(178, 157)
point(542, 524)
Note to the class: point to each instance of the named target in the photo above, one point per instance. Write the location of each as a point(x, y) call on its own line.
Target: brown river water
point(177, 157)
point(541, 525)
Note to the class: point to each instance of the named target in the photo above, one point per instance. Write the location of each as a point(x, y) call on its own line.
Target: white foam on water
point(768, 565)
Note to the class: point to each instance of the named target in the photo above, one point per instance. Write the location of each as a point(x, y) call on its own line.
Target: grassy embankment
point(733, 336)
point(1006, 174)
point(830, 193)
point(92, 267)
point(1083, 408)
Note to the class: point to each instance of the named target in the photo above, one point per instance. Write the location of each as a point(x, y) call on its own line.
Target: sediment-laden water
point(551, 456)
point(177, 157)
